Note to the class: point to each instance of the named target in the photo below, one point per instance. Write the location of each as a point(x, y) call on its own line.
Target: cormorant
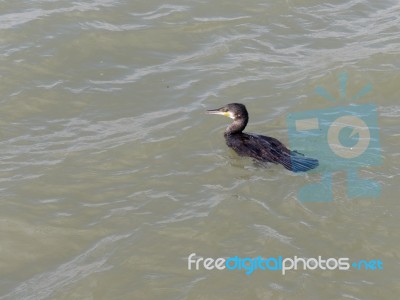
point(259, 147)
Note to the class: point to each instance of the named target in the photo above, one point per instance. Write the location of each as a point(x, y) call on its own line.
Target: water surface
point(112, 174)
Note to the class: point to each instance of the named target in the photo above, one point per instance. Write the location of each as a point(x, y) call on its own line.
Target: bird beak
point(219, 112)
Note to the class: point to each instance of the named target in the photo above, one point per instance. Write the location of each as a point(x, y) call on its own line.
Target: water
point(112, 175)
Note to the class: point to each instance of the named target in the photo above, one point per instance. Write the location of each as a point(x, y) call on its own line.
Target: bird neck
point(236, 126)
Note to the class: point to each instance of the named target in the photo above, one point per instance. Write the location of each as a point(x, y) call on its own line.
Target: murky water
point(112, 175)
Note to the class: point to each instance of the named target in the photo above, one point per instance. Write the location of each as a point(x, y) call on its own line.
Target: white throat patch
point(230, 115)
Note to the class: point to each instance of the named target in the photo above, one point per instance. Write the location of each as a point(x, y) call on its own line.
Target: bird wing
point(269, 149)
point(272, 150)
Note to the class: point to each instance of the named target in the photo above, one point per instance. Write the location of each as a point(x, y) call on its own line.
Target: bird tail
point(301, 163)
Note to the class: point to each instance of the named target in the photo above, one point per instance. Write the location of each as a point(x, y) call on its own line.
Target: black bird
point(261, 148)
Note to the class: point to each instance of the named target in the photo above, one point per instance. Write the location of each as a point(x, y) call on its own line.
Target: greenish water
point(112, 174)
